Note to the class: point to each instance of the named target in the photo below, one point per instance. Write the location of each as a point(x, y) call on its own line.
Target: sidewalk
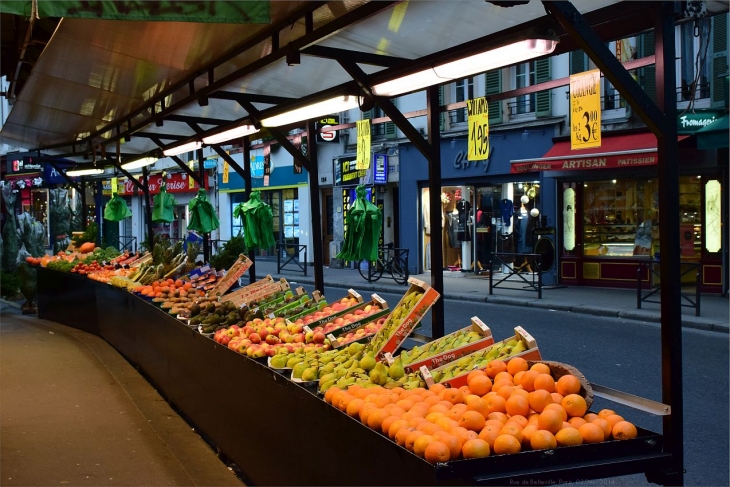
point(607, 302)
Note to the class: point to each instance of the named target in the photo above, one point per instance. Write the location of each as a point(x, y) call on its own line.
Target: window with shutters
point(385, 130)
point(646, 76)
point(693, 73)
point(524, 76)
point(612, 103)
point(462, 90)
point(494, 86)
point(719, 69)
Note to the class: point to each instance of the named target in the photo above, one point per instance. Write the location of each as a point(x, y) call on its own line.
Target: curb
point(12, 304)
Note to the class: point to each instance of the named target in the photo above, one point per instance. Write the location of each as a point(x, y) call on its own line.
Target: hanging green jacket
point(202, 214)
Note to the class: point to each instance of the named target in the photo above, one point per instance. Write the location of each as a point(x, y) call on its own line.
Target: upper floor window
point(462, 90)
point(524, 77)
point(693, 70)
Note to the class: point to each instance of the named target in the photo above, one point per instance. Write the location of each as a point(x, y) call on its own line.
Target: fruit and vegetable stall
point(318, 390)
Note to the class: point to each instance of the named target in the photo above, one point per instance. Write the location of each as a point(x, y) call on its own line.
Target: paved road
point(623, 355)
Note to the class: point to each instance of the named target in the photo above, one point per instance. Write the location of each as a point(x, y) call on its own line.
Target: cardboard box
point(389, 339)
point(240, 266)
point(337, 330)
point(303, 298)
point(531, 352)
point(339, 341)
point(439, 358)
point(334, 314)
point(258, 290)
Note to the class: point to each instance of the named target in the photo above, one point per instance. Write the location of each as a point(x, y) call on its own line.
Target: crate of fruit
point(363, 332)
point(350, 319)
point(447, 348)
point(294, 307)
point(231, 276)
point(257, 292)
point(404, 318)
point(332, 311)
point(454, 374)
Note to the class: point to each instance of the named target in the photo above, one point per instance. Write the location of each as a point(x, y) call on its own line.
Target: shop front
point(608, 200)
point(484, 208)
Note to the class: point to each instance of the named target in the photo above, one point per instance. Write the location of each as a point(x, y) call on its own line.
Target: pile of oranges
point(163, 288)
point(505, 408)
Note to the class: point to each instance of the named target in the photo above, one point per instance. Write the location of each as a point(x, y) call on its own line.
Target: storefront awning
point(628, 150)
point(713, 136)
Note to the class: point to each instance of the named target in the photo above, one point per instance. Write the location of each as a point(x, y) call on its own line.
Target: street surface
point(624, 355)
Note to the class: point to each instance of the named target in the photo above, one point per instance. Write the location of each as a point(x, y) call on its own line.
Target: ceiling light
point(180, 149)
point(145, 161)
point(84, 172)
point(461, 68)
point(235, 133)
point(333, 105)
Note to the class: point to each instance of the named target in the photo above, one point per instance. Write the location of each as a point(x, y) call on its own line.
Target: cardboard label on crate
point(196, 274)
point(360, 323)
point(247, 295)
point(234, 273)
point(444, 358)
point(355, 295)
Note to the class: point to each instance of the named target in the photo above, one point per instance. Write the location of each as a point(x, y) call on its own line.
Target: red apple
point(299, 338)
point(272, 339)
point(263, 333)
point(318, 337)
point(255, 338)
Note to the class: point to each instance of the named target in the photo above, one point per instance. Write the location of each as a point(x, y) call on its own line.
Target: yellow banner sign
point(363, 144)
point(225, 172)
point(585, 110)
point(191, 181)
point(478, 118)
point(115, 186)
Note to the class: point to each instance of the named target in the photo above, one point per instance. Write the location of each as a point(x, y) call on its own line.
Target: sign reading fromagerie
point(176, 183)
point(602, 161)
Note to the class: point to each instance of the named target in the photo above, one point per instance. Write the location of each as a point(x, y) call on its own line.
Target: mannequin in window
point(464, 232)
point(484, 236)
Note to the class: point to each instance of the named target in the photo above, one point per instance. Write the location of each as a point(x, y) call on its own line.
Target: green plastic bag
point(258, 222)
point(116, 209)
point(364, 222)
point(163, 206)
point(202, 215)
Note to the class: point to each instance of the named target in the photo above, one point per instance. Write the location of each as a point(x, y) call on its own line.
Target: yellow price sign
point(114, 186)
point(363, 144)
point(225, 172)
point(191, 181)
point(585, 110)
point(478, 119)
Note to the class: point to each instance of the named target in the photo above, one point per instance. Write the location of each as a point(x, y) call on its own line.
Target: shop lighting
point(231, 134)
point(180, 149)
point(461, 68)
point(144, 162)
point(333, 105)
point(84, 172)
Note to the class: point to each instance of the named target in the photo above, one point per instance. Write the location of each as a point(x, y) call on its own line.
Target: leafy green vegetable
point(90, 235)
point(229, 253)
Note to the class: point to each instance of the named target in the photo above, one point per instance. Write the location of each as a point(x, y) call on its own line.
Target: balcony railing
point(521, 107)
point(458, 116)
point(701, 91)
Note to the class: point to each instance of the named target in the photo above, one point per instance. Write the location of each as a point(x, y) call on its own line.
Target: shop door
point(328, 216)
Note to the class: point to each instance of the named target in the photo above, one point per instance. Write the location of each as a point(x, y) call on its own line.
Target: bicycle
point(392, 260)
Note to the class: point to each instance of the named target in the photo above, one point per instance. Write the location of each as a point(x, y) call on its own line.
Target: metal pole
point(669, 238)
point(246, 195)
point(434, 191)
point(317, 252)
point(148, 207)
point(201, 181)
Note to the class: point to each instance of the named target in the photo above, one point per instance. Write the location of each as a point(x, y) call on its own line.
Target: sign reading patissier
point(478, 119)
point(585, 110)
point(363, 144)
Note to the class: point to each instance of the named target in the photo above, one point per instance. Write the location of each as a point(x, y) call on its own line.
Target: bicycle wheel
point(399, 270)
point(370, 271)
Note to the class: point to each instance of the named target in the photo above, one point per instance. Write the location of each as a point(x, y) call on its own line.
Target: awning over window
point(713, 136)
point(628, 150)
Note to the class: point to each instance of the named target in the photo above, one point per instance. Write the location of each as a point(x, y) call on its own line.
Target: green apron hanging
point(202, 215)
point(163, 205)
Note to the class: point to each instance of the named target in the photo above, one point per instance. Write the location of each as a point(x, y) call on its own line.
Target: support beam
point(317, 248)
point(434, 203)
point(239, 170)
point(200, 120)
point(70, 181)
point(148, 207)
point(246, 144)
point(250, 97)
point(188, 171)
point(201, 179)
point(82, 194)
point(354, 56)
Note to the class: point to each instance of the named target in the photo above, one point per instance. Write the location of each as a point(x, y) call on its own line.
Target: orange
point(505, 391)
point(395, 427)
point(452, 442)
point(513, 429)
point(437, 452)
point(335, 398)
point(518, 377)
point(353, 408)
point(544, 382)
point(504, 376)
point(439, 408)
point(574, 405)
point(501, 417)
point(454, 396)
point(479, 405)
point(519, 419)
point(475, 448)
point(532, 419)
point(456, 411)
point(472, 420)
point(567, 384)
point(436, 388)
point(463, 434)
point(591, 433)
point(550, 420)
point(415, 421)
point(528, 380)
point(428, 428)
point(604, 413)
point(496, 404)
point(543, 440)
point(381, 400)
point(569, 437)
point(490, 433)
point(565, 425)
point(613, 419)
point(590, 417)
point(557, 398)
point(330, 392)
point(605, 427)
point(518, 390)
point(402, 435)
point(480, 384)
point(385, 425)
point(577, 422)
point(412, 437)
point(517, 364)
point(449, 404)
point(405, 404)
point(475, 373)
point(419, 446)
point(495, 367)
point(446, 423)
point(538, 399)
point(465, 390)
point(527, 434)
point(540, 368)
point(431, 400)
point(365, 411)
point(517, 405)
point(498, 384)
point(558, 408)
point(432, 417)
point(395, 410)
point(505, 444)
point(376, 418)
point(624, 430)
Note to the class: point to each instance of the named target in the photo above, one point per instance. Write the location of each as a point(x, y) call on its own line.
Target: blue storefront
point(484, 207)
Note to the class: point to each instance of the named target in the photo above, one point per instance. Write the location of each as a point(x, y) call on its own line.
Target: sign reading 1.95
point(585, 110)
point(478, 120)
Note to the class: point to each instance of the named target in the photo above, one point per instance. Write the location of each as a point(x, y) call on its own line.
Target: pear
point(278, 361)
point(379, 375)
point(292, 361)
point(328, 368)
point(298, 369)
point(309, 374)
point(396, 371)
point(324, 378)
point(368, 362)
point(323, 388)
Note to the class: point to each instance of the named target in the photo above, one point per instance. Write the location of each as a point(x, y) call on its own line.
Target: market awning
point(713, 136)
point(628, 150)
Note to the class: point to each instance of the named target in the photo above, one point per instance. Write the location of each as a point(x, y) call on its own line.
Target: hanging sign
point(324, 123)
point(191, 181)
point(115, 185)
point(585, 110)
point(363, 144)
point(267, 164)
point(176, 183)
point(225, 171)
point(381, 169)
point(478, 120)
point(297, 142)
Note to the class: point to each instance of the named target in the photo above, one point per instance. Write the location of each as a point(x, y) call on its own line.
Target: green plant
point(9, 283)
point(91, 234)
point(229, 253)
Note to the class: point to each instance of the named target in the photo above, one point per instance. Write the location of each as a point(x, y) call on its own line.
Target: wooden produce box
point(396, 329)
point(332, 311)
point(303, 298)
point(482, 338)
point(370, 327)
point(258, 290)
point(240, 266)
point(337, 324)
point(530, 352)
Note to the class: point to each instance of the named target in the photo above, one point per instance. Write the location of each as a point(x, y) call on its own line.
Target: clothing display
point(507, 209)
point(452, 227)
point(464, 230)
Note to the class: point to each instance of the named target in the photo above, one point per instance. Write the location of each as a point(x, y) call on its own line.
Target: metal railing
point(291, 253)
point(521, 107)
point(125, 242)
point(653, 277)
point(700, 91)
point(517, 265)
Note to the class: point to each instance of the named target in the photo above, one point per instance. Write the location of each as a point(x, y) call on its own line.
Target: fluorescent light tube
point(235, 133)
point(84, 172)
point(333, 105)
point(145, 161)
point(468, 66)
point(180, 149)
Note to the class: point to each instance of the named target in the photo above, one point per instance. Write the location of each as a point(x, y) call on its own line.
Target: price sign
point(585, 110)
point(115, 186)
point(225, 172)
point(363, 144)
point(478, 120)
point(191, 180)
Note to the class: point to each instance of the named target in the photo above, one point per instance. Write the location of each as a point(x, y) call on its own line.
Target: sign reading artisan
point(598, 161)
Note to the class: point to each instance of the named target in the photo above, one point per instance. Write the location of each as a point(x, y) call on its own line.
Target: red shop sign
point(176, 183)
